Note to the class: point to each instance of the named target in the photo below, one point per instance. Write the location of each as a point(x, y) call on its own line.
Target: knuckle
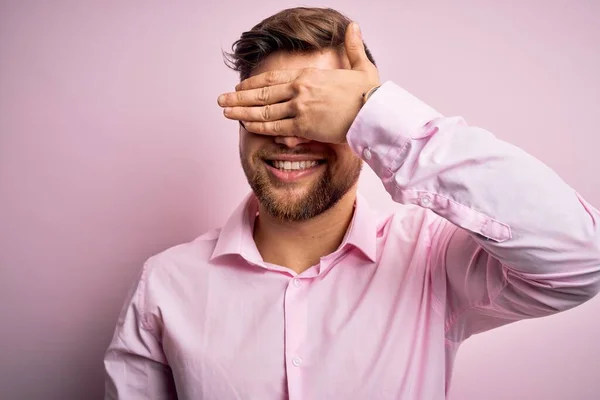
point(262, 95)
point(266, 112)
point(297, 86)
point(239, 96)
point(303, 87)
point(272, 77)
point(308, 75)
point(298, 107)
point(307, 72)
point(245, 112)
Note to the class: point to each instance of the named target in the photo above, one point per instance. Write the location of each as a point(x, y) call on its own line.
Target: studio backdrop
point(113, 148)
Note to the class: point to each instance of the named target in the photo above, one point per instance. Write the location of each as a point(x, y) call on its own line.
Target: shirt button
point(367, 154)
point(425, 200)
point(297, 361)
point(297, 282)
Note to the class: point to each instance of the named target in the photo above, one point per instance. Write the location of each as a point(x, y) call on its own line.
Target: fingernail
point(221, 99)
point(357, 30)
point(227, 110)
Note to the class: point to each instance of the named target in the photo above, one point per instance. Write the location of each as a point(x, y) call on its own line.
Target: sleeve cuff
point(381, 132)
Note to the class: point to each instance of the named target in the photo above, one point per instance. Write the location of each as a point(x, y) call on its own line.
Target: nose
point(290, 141)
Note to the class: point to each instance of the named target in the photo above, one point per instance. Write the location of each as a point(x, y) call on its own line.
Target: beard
point(322, 194)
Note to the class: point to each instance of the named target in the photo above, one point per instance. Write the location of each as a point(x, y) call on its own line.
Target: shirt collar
point(236, 236)
point(362, 232)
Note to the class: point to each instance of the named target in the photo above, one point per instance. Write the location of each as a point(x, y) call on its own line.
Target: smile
point(293, 165)
point(290, 171)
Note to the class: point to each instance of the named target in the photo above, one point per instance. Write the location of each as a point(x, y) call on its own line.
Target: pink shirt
point(484, 235)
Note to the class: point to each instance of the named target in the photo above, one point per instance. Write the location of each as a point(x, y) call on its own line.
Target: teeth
point(294, 165)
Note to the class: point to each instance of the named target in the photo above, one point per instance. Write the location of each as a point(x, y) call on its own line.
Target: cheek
point(250, 144)
point(345, 159)
point(247, 144)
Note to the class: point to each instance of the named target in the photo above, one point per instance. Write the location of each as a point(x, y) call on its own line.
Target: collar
point(236, 236)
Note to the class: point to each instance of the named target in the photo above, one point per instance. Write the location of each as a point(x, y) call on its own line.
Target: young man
point(306, 293)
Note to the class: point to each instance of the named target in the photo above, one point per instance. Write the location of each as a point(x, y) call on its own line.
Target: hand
point(312, 103)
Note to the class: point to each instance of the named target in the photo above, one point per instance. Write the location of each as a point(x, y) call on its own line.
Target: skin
point(302, 104)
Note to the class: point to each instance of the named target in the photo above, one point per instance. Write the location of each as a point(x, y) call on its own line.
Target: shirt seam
point(146, 374)
point(439, 304)
point(486, 218)
point(387, 157)
point(142, 297)
point(480, 304)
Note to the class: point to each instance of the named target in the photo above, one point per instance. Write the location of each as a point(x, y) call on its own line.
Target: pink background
point(112, 148)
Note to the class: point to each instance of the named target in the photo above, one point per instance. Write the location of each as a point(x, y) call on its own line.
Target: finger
point(270, 112)
point(355, 48)
point(257, 97)
point(282, 127)
point(270, 78)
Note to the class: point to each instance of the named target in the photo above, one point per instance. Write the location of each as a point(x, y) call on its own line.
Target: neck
point(298, 245)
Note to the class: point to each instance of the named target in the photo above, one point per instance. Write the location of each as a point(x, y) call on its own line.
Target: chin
point(288, 205)
point(290, 196)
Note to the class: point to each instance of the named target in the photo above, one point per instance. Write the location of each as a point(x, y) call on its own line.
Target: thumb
point(355, 48)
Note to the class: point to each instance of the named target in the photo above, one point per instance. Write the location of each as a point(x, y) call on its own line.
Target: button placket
point(295, 309)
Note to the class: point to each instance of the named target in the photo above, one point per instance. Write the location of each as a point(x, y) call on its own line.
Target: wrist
point(369, 93)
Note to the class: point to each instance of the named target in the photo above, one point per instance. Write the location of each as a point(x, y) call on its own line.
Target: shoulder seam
point(144, 321)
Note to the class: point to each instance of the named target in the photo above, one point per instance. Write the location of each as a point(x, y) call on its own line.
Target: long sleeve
point(135, 364)
point(514, 241)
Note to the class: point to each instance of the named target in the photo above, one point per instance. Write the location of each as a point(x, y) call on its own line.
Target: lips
point(291, 171)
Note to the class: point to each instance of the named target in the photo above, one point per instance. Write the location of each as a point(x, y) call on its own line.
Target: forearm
point(519, 210)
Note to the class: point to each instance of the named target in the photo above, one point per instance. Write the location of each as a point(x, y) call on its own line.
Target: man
point(306, 293)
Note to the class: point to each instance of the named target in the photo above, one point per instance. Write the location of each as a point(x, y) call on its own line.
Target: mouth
point(290, 171)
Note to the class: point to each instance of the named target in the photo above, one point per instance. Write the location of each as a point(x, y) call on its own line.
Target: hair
point(299, 29)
